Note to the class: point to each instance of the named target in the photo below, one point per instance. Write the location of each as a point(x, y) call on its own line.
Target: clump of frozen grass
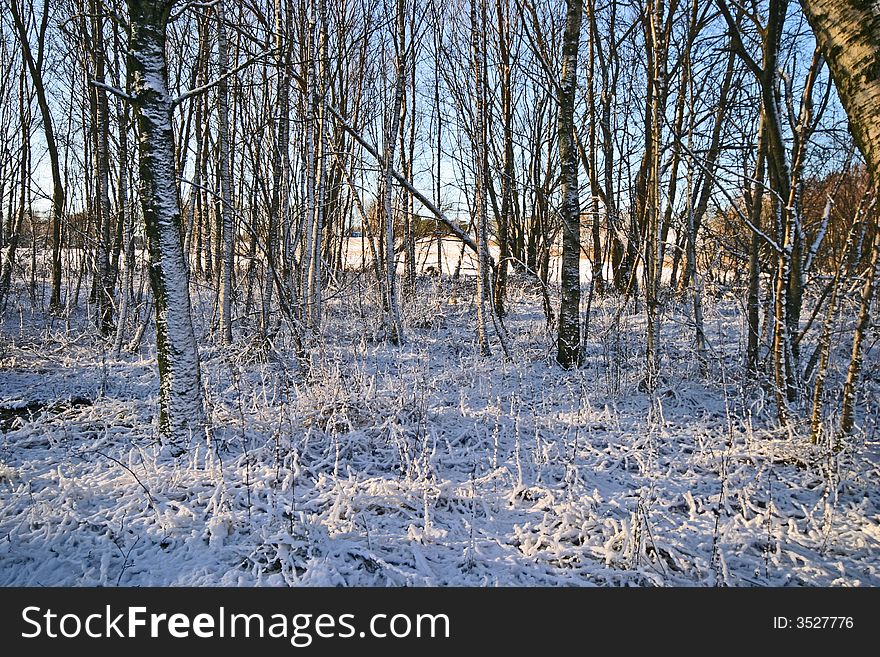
point(7, 475)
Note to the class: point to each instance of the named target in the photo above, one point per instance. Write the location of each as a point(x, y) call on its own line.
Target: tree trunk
point(35, 67)
point(481, 177)
point(125, 219)
point(823, 349)
point(850, 386)
point(597, 283)
point(658, 45)
point(848, 33)
point(181, 411)
point(569, 342)
point(104, 283)
point(389, 143)
point(227, 263)
point(280, 159)
point(15, 228)
point(753, 303)
point(508, 173)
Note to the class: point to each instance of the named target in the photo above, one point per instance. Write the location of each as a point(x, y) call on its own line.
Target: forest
point(418, 293)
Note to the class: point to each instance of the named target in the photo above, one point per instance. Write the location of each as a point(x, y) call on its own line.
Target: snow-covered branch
point(191, 5)
point(113, 90)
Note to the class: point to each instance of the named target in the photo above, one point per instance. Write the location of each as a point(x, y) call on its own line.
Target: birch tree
point(181, 410)
point(227, 221)
point(389, 140)
point(568, 352)
point(848, 33)
point(34, 63)
point(478, 60)
point(14, 230)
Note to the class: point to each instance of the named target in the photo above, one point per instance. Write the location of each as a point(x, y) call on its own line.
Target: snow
point(424, 464)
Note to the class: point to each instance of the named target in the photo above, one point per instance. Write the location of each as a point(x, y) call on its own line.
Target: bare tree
point(478, 59)
point(34, 64)
point(569, 341)
point(181, 410)
point(14, 230)
point(227, 221)
point(848, 33)
point(389, 141)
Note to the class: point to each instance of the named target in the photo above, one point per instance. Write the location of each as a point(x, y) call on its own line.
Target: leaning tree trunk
point(35, 67)
point(569, 342)
point(848, 33)
point(180, 392)
point(850, 386)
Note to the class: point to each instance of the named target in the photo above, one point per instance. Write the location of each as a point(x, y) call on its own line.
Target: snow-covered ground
point(425, 464)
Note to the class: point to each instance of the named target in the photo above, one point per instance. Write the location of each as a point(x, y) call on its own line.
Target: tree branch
point(736, 41)
point(113, 90)
point(191, 5)
point(205, 87)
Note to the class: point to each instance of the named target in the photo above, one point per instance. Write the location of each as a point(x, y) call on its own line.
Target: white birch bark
point(227, 263)
point(568, 344)
point(848, 33)
point(389, 143)
point(181, 411)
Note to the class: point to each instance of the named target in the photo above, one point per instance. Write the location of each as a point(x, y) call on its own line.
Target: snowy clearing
point(425, 464)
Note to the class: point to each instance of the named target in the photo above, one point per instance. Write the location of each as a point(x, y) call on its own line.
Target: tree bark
point(35, 67)
point(104, 283)
point(227, 222)
point(753, 303)
point(389, 143)
point(508, 174)
point(569, 342)
point(181, 410)
point(848, 33)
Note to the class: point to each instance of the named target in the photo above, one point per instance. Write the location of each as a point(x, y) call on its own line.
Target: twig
point(131, 472)
point(113, 90)
point(125, 560)
point(213, 83)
